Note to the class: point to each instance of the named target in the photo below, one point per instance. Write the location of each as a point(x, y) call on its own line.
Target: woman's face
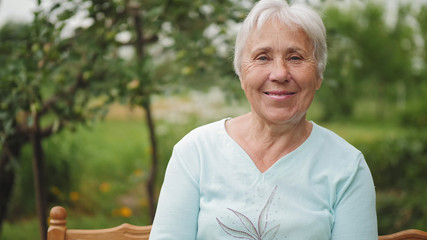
point(279, 73)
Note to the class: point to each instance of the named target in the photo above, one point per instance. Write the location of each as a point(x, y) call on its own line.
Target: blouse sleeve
point(178, 206)
point(355, 209)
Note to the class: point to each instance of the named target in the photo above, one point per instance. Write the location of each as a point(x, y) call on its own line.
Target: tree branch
point(146, 40)
point(49, 130)
point(79, 83)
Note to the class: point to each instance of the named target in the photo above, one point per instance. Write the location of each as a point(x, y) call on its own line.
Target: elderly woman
point(270, 173)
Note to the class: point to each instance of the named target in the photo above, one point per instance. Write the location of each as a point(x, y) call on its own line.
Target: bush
point(399, 169)
point(60, 161)
point(96, 170)
point(414, 115)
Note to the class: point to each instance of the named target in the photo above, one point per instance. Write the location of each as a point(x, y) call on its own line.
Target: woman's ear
point(241, 81)
point(319, 83)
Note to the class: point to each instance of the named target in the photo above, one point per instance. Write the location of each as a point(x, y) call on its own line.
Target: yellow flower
point(149, 150)
point(143, 202)
point(138, 172)
point(125, 212)
point(74, 196)
point(105, 187)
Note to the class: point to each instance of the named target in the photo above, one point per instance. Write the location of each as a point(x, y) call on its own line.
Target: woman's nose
point(279, 72)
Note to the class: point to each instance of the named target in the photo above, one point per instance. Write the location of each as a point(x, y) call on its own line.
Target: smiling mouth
point(279, 94)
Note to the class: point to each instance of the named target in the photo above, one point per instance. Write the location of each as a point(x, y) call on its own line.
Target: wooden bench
point(411, 234)
point(58, 231)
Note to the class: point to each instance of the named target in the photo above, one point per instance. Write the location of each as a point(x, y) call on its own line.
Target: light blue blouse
point(213, 190)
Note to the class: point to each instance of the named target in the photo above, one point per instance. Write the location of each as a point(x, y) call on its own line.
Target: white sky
point(21, 10)
point(16, 10)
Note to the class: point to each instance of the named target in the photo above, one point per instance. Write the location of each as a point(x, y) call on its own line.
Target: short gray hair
point(295, 15)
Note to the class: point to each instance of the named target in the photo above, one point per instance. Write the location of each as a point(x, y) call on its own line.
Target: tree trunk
point(11, 150)
point(151, 181)
point(38, 171)
point(146, 104)
point(7, 179)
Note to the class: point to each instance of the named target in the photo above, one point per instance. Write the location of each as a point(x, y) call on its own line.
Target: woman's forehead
point(275, 34)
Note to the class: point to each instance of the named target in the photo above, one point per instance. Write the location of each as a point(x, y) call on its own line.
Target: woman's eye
point(295, 58)
point(262, 58)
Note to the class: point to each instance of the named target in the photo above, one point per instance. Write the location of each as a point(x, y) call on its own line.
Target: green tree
point(368, 59)
point(414, 114)
point(175, 44)
point(45, 87)
point(53, 78)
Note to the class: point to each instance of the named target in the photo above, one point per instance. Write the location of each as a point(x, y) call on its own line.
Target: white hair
point(295, 15)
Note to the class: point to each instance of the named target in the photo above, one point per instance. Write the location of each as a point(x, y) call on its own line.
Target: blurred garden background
point(95, 93)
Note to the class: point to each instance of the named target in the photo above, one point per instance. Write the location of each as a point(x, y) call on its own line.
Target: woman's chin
point(280, 118)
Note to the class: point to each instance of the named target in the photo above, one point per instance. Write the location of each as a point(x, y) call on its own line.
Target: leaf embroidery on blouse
point(250, 232)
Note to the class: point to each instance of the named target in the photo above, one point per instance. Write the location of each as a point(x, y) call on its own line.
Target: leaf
point(235, 233)
point(54, 7)
point(30, 120)
point(271, 234)
point(55, 125)
point(246, 223)
point(263, 216)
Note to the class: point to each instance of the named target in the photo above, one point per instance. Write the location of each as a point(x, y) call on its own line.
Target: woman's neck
point(264, 142)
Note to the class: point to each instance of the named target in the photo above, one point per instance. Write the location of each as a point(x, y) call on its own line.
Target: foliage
point(81, 162)
point(414, 116)
point(370, 58)
point(398, 166)
point(105, 164)
point(63, 77)
point(50, 82)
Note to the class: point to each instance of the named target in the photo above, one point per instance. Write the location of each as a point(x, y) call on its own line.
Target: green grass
point(27, 229)
point(106, 167)
point(358, 133)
